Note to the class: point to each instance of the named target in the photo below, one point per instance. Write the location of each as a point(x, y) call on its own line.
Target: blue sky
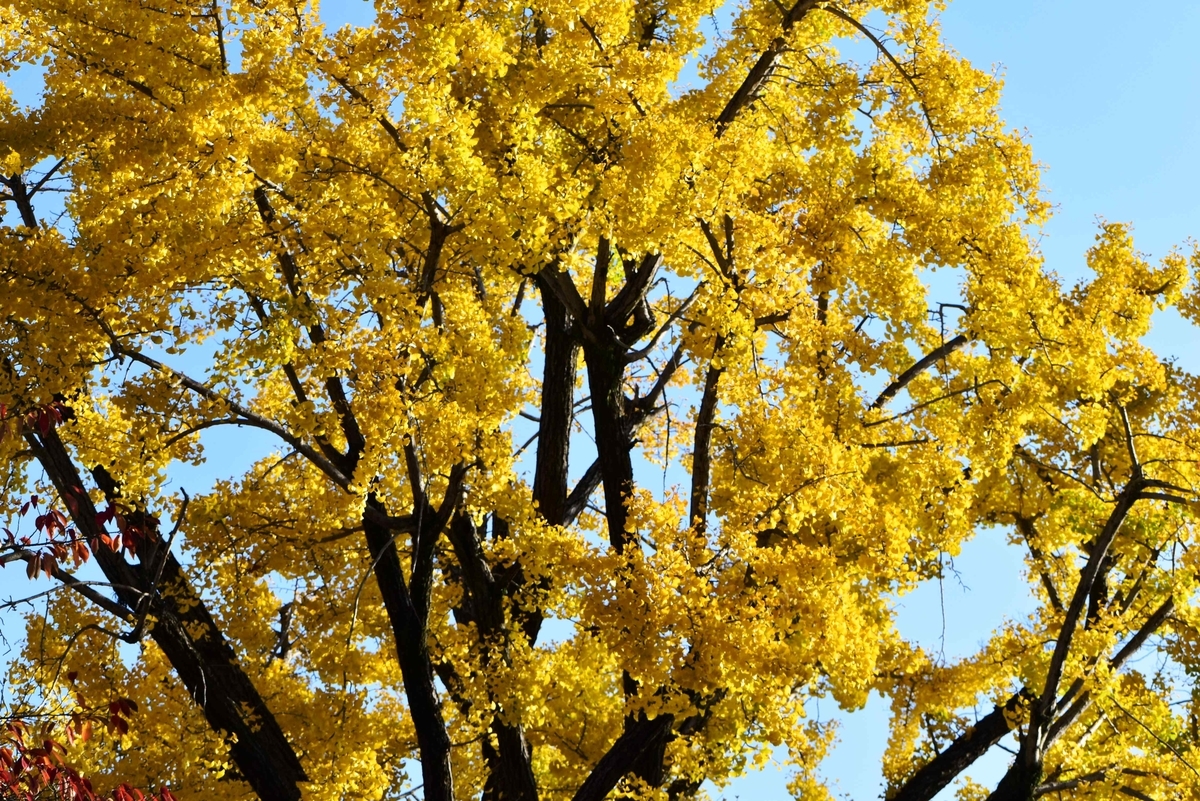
point(1107, 92)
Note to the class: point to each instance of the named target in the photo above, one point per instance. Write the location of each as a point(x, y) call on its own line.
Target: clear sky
point(1107, 92)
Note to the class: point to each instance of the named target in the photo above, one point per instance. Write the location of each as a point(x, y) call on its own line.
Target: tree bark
point(702, 444)
point(642, 737)
point(1019, 783)
point(409, 629)
point(188, 636)
point(961, 754)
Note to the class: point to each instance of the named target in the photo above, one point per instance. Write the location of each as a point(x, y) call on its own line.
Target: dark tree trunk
point(409, 629)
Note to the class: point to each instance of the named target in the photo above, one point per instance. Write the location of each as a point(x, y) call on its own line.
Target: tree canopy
point(620, 376)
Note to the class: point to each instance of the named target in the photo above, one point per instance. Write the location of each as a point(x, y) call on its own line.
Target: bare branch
point(250, 417)
point(84, 588)
point(905, 378)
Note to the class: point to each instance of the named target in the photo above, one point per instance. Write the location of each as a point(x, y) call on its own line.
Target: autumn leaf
point(583, 431)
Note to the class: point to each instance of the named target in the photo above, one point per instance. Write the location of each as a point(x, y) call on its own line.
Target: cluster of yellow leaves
point(258, 206)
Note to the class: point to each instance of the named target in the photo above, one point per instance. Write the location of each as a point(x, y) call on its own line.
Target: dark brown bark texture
point(962, 753)
point(205, 663)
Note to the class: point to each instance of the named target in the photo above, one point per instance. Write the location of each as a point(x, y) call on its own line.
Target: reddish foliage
point(41, 419)
point(64, 544)
point(32, 760)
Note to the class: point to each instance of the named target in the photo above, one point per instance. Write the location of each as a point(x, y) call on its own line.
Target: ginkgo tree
point(610, 412)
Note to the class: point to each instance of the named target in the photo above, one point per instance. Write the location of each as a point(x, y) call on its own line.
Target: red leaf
point(127, 793)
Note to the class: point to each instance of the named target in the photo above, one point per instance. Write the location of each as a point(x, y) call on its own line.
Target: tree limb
point(702, 444)
point(187, 634)
point(905, 378)
point(936, 774)
point(622, 756)
point(751, 87)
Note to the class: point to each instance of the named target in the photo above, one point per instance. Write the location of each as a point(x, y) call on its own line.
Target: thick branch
point(439, 231)
point(1039, 720)
point(600, 278)
point(553, 280)
point(962, 753)
point(578, 499)
point(605, 361)
point(432, 523)
point(554, 433)
point(634, 291)
point(623, 756)
point(1026, 770)
point(22, 198)
point(905, 378)
point(1084, 701)
point(762, 70)
point(410, 633)
point(510, 774)
point(702, 447)
point(186, 633)
point(558, 395)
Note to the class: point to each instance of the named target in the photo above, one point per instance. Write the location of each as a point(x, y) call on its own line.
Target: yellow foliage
point(610, 415)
